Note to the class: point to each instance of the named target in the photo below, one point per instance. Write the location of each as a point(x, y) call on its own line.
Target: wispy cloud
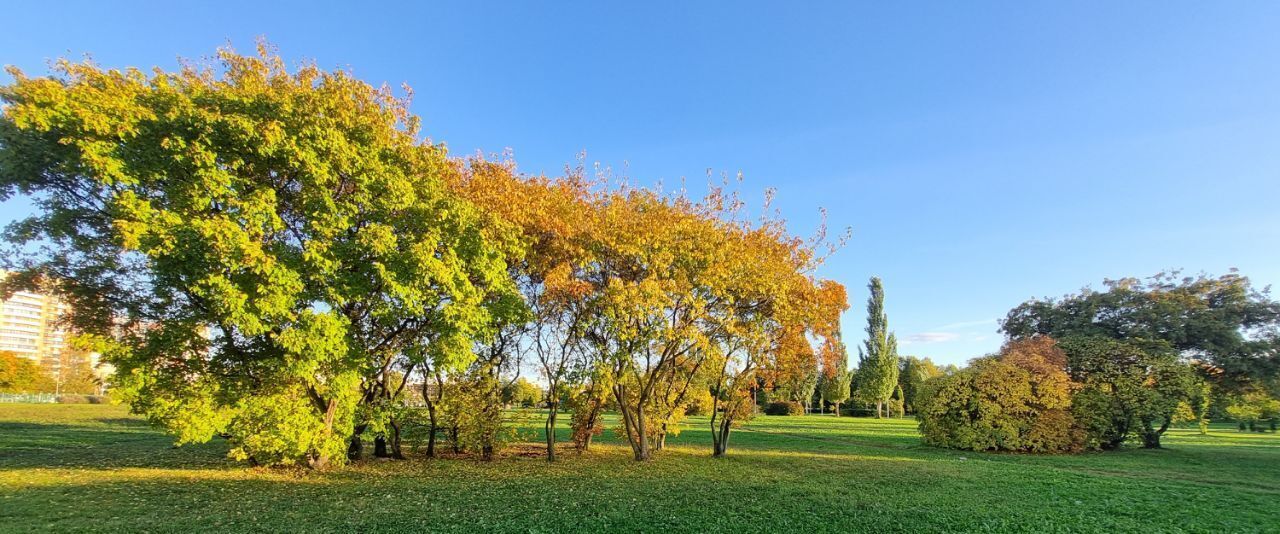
point(925, 338)
point(964, 330)
point(964, 325)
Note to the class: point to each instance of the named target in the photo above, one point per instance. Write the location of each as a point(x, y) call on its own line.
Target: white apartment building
point(29, 326)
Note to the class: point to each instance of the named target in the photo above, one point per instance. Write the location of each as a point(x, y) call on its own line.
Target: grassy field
point(94, 467)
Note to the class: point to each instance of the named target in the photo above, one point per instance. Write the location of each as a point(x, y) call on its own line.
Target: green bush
point(1101, 418)
point(784, 408)
point(1128, 388)
point(1019, 401)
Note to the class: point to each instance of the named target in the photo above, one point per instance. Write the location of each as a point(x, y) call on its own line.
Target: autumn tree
point(555, 223)
point(1019, 400)
point(586, 400)
point(21, 375)
point(878, 358)
point(793, 365)
point(836, 376)
point(764, 336)
point(72, 372)
point(647, 274)
point(248, 244)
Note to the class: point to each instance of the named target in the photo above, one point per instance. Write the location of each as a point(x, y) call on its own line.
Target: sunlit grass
point(90, 467)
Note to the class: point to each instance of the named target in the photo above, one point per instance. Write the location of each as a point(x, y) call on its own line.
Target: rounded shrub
point(1020, 401)
point(784, 408)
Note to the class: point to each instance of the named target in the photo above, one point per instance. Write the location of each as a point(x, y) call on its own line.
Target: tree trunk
point(720, 443)
point(633, 422)
point(396, 451)
point(432, 424)
point(1150, 440)
point(1150, 436)
point(551, 431)
point(433, 427)
point(355, 451)
point(642, 437)
point(879, 409)
point(836, 409)
point(320, 461)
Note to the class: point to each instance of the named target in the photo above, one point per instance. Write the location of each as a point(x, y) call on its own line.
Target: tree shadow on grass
point(119, 443)
point(124, 421)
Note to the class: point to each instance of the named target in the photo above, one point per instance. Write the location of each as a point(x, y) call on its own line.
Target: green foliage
point(1019, 401)
point(1252, 408)
point(896, 406)
point(835, 389)
point(280, 430)
point(878, 359)
point(1040, 396)
point(294, 213)
point(522, 393)
point(1201, 404)
point(800, 388)
point(186, 409)
point(784, 408)
point(1223, 320)
point(475, 410)
point(1184, 415)
point(1127, 387)
point(915, 372)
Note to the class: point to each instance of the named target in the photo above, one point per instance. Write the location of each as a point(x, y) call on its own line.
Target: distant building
point(28, 325)
point(30, 328)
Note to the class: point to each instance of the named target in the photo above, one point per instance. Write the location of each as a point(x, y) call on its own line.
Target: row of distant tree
point(1096, 369)
point(1088, 371)
point(69, 373)
point(882, 383)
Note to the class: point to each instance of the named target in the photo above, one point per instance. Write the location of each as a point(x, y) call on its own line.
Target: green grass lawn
point(94, 467)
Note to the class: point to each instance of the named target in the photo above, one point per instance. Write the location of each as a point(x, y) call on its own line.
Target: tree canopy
point(273, 256)
point(1223, 321)
point(261, 240)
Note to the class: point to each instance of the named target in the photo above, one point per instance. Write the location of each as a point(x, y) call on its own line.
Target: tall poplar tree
point(878, 358)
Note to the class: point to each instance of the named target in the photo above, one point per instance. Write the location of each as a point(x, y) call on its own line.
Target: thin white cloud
point(967, 324)
point(925, 338)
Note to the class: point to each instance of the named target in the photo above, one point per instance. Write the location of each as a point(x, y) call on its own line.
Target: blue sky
point(983, 153)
